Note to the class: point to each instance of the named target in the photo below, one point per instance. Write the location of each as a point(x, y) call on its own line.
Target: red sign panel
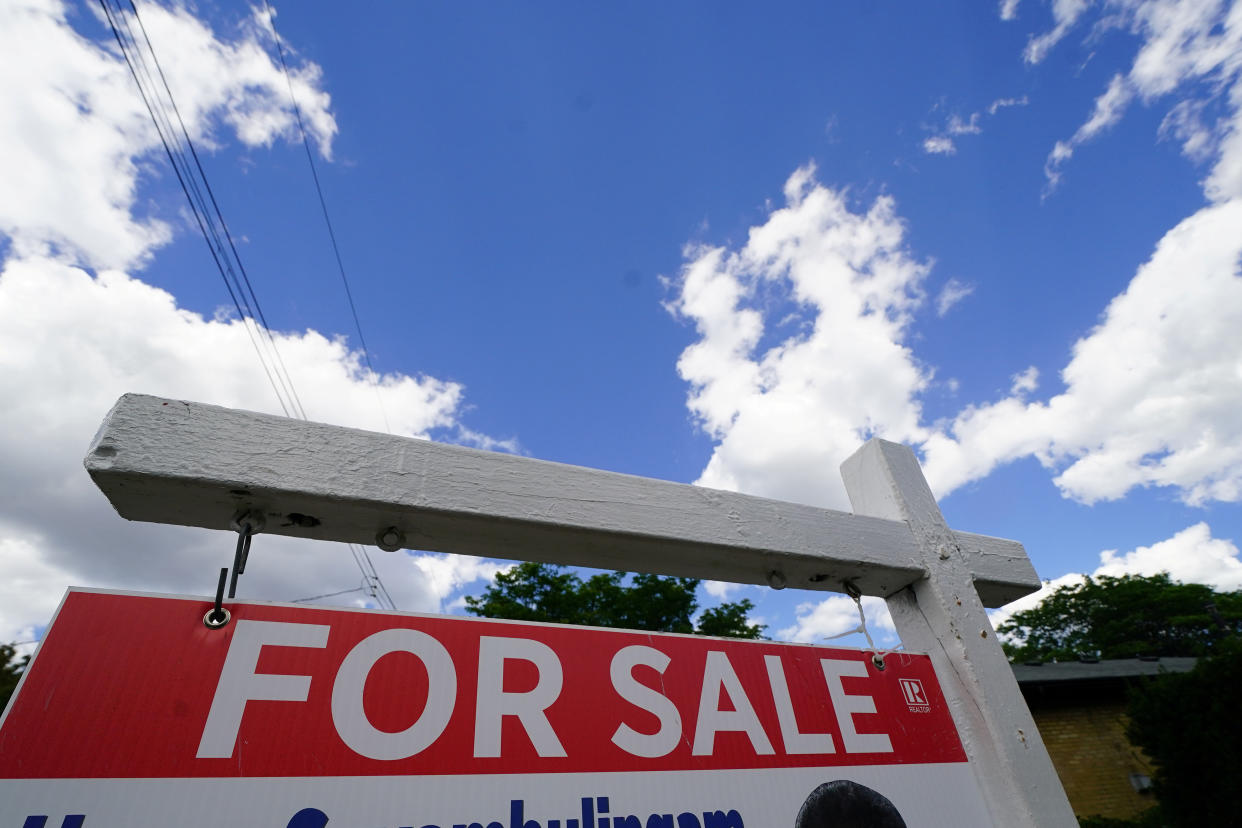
point(134, 687)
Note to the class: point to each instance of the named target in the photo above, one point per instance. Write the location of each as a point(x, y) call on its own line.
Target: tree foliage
point(541, 592)
point(1188, 725)
point(11, 668)
point(1123, 617)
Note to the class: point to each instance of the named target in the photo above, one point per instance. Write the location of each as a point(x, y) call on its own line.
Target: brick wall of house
point(1089, 749)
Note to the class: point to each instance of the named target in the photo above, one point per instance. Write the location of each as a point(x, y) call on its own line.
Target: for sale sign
point(134, 713)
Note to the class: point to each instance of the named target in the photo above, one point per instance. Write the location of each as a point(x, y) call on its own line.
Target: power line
point(323, 205)
point(329, 595)
point(197, 190)
point(282, 375)
point(379, 582)
point(194, 184)
point(361, 555)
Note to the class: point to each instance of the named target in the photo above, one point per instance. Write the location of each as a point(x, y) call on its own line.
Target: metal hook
point(239, 560)
point(247, 524)
point(218, 616)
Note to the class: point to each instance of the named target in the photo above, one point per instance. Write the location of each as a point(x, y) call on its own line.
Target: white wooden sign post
point(170, 461)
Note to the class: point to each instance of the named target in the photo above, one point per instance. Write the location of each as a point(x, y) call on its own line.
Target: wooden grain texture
point(942, 615)
point(170, 461)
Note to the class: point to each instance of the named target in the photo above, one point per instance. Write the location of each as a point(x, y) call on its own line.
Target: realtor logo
point(916, 698)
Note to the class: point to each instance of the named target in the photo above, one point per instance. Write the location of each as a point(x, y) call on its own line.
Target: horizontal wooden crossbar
point(170, 461)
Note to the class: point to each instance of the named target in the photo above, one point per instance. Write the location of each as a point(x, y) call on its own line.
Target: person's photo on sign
point(846, 804)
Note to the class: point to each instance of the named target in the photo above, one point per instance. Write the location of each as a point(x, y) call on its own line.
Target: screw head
point(390, 539)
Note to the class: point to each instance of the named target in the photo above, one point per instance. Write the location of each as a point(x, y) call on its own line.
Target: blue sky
point(706, 242)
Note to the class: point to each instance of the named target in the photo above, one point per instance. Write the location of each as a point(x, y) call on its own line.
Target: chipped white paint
point(942, 615)
point(169, 461)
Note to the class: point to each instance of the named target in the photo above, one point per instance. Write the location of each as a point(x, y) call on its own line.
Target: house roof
point(1110, 668)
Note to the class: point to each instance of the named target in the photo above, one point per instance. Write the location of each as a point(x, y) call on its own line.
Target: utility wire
point(283, 374)
point(253, 306)
point(194, 184)
point(197, 190)
point(361, 555)
point(188, 185)
point(329, 595)
point(323, 205)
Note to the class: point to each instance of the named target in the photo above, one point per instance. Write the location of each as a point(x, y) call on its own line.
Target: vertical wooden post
point(943, 616)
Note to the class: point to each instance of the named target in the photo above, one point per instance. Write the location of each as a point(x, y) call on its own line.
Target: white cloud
point(75, 149)
point(33, 588)
point(1109, 108)
point(70, 344)
point(837, 616)
point(1000, 615)
point(1065, 14)
point(785, 410)
point(1025, 382)
point(953, 292)
point(1004, 103)
point(1225, 180)
point(238, 81)
point(445, 574)
point(1190, 556)
point(1008, 9)
point(72, 340)
point(475, 439)
point(1150, 398)
point(1183, 40)
point(75, 137)
point(1184, 123)
point(942, 142)
point(1182, 44)
point(1152, 394)
point(970, 126)
point(71, 122)
point(721, 590)
point(939, 145)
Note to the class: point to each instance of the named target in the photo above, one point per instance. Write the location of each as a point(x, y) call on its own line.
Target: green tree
point(729, 620)
point(1123, 617)
point(542, 592)
point(1188, 725)
point(11, 668)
